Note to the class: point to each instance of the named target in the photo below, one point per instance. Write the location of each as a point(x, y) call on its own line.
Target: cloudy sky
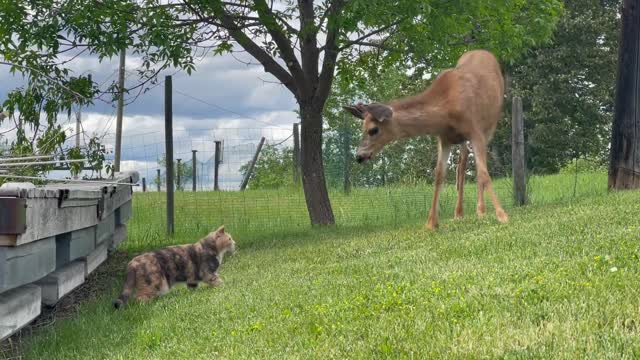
point(224, 99)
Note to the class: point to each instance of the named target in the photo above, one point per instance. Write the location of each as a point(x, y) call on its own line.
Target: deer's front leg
point(444, 150)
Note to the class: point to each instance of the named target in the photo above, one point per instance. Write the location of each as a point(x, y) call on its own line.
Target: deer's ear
point(380, 112)
point(355, 110)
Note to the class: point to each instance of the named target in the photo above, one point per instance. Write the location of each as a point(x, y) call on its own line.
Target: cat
point(152, 274)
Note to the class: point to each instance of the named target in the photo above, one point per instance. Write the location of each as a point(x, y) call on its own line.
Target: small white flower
point(613, 269)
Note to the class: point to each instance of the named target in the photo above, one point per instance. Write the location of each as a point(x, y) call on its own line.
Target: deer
point(462, 106)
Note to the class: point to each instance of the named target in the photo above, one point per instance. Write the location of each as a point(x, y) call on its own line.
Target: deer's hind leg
point(462, 168)
point(444, 150)
point(484, 181)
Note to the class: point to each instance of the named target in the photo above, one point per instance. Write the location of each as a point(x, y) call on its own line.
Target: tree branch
point(375, 32)
point(270, 65)
point(330, 56)
point(284, 46)
point(379, 45)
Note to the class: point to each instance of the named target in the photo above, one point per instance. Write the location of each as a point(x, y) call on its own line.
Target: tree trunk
point(624, 169)
point(313, 182)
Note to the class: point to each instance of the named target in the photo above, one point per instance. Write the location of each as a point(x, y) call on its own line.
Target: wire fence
point(394, 190)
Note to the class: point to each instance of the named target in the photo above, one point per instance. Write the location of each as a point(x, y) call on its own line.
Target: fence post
point(296, 153)
point(144, 184)
point(178, 187)
point(168, 134)
point(159, 180)
point(194, 165)
point(216, 165)
point(346, 169)
point(245, 181)
point(517, 153)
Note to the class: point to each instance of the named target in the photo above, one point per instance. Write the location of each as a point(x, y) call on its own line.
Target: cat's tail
point(129, 285)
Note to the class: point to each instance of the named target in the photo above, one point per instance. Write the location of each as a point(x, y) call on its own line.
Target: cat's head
point(221, 241)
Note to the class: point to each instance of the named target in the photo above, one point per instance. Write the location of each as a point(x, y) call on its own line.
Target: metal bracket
point(13, 216)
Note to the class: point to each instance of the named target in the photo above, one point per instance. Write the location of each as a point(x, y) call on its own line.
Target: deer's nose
point(362, 158)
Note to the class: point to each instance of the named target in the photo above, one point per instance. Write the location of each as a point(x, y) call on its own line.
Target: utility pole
point(116, 163)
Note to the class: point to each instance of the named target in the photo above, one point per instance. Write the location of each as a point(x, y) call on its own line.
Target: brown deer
point(462, 104)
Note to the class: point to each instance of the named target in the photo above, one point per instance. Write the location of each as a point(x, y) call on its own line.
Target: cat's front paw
point(217, 282)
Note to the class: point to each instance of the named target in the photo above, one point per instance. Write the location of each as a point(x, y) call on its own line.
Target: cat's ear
point(220, 230)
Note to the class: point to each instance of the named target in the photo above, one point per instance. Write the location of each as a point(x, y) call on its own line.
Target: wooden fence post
point(517, 153)
point(168, 134)
point(178, 173)
point(346, 166)
point(245, 181)
point(194, 165)
point(216, 166)
point(296, 153)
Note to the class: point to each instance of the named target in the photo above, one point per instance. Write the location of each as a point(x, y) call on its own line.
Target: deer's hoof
point(431, 226)
point(502, 216)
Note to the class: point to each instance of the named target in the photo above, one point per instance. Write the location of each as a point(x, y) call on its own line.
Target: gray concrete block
point(74, 245)
point(27, 263)
point(123, 213)
point(119, 237)
point(97, 257)
point(105, 229)
point(61, 282)
point(18, 307)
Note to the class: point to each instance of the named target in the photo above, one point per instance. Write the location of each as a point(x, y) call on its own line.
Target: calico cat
point(152, 274)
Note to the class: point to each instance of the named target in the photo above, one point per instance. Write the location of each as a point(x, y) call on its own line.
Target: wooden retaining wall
point(51, 238)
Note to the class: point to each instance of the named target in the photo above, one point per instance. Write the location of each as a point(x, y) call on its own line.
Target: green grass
point(559, 281)
point(273, 214)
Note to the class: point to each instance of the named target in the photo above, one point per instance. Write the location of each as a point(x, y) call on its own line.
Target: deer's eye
point(373, 131)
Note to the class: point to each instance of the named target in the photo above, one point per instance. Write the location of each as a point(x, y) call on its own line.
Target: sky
point(224, 99)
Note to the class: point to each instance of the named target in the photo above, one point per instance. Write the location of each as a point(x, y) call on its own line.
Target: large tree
point(301, 43)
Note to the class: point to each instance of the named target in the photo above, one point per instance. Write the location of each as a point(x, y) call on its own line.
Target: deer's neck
point(416, 116)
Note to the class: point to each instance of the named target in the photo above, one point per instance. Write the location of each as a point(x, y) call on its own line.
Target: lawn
point(559, 281)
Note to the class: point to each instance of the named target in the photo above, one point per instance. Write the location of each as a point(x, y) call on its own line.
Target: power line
point(281, 142)
point(225, 109)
